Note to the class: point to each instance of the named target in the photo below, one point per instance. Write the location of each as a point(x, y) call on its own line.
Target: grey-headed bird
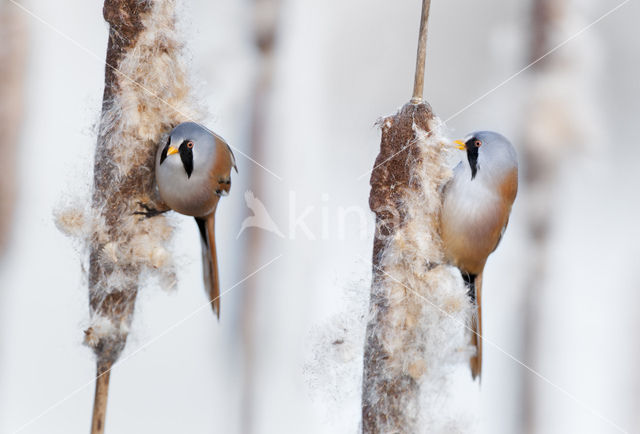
point(475, 212)
point(193, 169)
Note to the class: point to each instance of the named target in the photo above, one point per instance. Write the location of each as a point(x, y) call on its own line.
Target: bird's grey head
point(190, 147)
point(489, 153)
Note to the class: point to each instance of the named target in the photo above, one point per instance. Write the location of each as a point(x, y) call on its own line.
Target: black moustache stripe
point(472, 156)
point(163, 155)
point(186, 155)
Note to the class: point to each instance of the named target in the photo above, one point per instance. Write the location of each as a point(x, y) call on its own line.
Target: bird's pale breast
point(473, 217)
point(194, 196)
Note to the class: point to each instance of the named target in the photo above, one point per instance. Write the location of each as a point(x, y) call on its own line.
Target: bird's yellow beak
point(172, 150)
point(461, 145)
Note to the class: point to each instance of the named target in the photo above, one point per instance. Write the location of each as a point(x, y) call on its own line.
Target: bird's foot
point(224, 185)
point(148, 211)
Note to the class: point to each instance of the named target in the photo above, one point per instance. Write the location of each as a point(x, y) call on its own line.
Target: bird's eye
point(477, 143)
point(190, 145)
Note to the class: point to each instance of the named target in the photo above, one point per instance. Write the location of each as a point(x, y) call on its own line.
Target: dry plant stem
point(144, 80)
point(394, 359)
point(101, 396)
point(124, 19)
point(125, 26)
point(389, 181)
point(404, 333)
point(418, 84)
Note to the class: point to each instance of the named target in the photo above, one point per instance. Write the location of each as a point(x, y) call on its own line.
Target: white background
point(339, 66)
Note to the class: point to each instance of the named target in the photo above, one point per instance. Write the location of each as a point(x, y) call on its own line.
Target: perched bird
point(475, 212)
point(193, 169)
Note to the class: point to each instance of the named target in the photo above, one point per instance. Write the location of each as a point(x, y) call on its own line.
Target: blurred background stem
point(541, 171)
point(12, 64)
point(265, 27)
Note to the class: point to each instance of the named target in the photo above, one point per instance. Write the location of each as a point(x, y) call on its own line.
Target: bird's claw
point(148, 211)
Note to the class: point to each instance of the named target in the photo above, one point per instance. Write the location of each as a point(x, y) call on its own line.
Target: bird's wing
point(233, 157)
point(504, 228)
point(476, 327)
point(508, 191)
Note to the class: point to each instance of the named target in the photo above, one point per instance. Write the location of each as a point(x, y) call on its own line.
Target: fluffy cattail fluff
point(146, 94)
point(418, 307)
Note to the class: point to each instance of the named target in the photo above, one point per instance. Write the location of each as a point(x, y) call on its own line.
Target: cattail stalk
point(421, 57)
point(146, 94)
point(418, 306)
point(103, 374)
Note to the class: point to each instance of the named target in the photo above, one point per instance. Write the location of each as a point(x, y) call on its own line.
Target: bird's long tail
point(210, 260)
point(474, 285)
